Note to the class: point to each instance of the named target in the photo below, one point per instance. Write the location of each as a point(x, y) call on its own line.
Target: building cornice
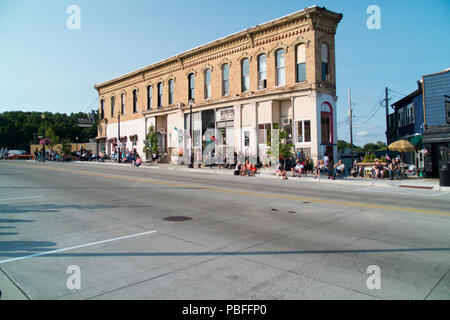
point(293, 24)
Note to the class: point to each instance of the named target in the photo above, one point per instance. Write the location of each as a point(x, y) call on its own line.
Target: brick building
point(280, 72)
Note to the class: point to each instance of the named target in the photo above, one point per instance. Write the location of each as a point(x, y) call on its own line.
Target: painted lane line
point(78, 247)
point(11, 199)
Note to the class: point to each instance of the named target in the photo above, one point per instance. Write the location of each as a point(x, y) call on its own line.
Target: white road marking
point(77, 247)
point(11, 199)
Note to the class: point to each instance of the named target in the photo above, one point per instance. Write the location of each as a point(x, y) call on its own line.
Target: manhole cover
point(292, 212)
point(178, 219)
point(275, 210)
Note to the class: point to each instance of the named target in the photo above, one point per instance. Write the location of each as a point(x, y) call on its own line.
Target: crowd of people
point(4, 153)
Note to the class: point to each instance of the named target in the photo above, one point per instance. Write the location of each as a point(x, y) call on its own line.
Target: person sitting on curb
point(297, 170)
point(339, 170)
point(378, 170)
point(138, 162)
point(237, 170)
point(253, 170)
point(281, 172)
point(319, 169)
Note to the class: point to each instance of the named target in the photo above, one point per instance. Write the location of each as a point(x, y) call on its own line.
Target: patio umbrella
point(402, 146)
point(45, 141)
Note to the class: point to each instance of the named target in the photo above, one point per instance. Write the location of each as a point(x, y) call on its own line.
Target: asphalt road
point(103, 228)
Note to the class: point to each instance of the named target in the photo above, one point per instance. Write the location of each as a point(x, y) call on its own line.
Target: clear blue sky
point(46, 67)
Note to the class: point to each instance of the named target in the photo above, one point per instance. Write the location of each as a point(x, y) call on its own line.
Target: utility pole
point(387, 114)
point(351, 124)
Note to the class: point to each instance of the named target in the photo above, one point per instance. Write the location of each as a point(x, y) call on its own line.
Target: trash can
point(444, 176)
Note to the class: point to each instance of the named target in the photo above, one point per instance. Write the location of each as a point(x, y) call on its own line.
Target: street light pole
point(43, 145)
point(191, 103)
point(119, 160)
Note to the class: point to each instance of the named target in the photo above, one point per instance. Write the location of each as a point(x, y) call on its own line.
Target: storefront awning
point(417, 141)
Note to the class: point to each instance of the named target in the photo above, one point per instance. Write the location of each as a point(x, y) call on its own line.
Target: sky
point(45, 66)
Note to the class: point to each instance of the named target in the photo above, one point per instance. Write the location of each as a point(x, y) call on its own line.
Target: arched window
point(225, 80)
point(324, 54)
point(149, 97)
point(122, 103)
point(171, 91)
point(280, 79)
point(326, 121)
point(207, 75)
point(160, 95)
point(262, 71)
point(300, 57)
point(191, 86)
point(113, 102)
point(245, 75)
point(135, 101)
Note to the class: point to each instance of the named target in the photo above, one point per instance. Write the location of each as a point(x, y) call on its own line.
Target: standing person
point(326, 160)
point(36, 155)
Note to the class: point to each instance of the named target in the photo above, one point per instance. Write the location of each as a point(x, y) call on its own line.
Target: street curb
point(266, 175)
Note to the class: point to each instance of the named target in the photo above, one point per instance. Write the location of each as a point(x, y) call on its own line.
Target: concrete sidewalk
point(265, 173)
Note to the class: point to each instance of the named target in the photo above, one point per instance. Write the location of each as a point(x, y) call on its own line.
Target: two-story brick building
point(281, 73)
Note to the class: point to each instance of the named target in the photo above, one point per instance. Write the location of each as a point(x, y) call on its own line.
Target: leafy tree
point(285, 149)
point(19, 129)
point(151, 142)
point(66, 146)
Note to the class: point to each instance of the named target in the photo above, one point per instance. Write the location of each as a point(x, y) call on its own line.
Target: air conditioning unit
point(262, 84)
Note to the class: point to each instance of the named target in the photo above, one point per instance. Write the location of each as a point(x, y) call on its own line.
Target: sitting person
point(308, 166)
point(329, 170)
point(138, 162)
point(319, 169)
point(394, 169)
point(281, 172)
point(253, 170)
point(246, 169)
point(237, 170)
point(297, 170)
point(377, 170)
point(339, 170)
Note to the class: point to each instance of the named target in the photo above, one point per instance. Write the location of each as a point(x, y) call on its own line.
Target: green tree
point(66, 146)
point(151, 143)
point(285, 148)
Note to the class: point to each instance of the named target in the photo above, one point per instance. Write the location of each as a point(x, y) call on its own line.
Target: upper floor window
point(160, 95)
point(225, 80)
point(122, 103)
point(149, 97)
point(300, 63)
point(245, 75)
point(262, 71)
point(102, 109)
point(410, 113)
point(191, 86)
point(113, 102)
point(171, 91)
point(325, 68)
point(135, 101)
point(280, 79)
point(207, 83)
